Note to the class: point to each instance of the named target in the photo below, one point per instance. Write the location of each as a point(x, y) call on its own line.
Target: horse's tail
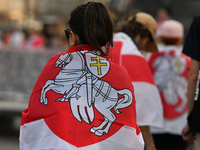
point(124, 101)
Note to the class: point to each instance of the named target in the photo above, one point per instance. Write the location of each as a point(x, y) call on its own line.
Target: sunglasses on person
point(67, 33)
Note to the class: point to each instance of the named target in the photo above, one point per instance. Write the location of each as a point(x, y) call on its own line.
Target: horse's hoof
point(41, 101)
point(92, 130)
point(45, 101)
point(61, 99)
point(98, 133)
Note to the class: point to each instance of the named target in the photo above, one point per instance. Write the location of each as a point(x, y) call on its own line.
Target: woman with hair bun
point(82, 100)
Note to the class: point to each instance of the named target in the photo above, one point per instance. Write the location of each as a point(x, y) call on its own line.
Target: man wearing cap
point(137, 33)
point(170, 71)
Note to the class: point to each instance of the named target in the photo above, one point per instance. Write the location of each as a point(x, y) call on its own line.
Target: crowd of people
point(37, 35)
point(34, 35)
point(133, 73)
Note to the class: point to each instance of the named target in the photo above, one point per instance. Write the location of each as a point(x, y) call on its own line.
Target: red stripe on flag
point(152, 59)
point(137, 68)
point(188, 60)
point(170, 111)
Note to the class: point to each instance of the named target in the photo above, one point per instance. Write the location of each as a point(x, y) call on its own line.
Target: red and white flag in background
point(81, 101)
point(148, 102)
point(170, 70)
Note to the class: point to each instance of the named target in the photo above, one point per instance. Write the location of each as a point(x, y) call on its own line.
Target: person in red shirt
point(34, 39)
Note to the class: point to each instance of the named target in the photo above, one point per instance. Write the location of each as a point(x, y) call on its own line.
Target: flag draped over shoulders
point(170, 70)
point(81, 101)
point(148, 103)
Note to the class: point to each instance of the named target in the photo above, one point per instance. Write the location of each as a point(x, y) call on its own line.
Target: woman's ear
point(74, 39)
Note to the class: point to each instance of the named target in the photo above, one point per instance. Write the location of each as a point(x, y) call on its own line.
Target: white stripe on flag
point(37, 136)
point(148, 104)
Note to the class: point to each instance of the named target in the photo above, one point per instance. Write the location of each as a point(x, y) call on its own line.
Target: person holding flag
point(170, 70)
point(77, 103)
point(134, 34)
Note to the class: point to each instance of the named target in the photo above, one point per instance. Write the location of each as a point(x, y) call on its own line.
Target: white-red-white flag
point(81, 101)
point(170, 70)
point(148, 102)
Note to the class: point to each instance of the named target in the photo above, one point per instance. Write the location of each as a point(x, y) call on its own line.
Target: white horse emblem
point(173, 85)
point(79, 83)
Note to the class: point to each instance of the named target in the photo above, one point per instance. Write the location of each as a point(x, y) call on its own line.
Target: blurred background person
point(17, 37)
point(135, 32)
point(6, 38)
point(34, 40)
point(191, 131)
point(170, 71)
point(161, 16)
point(1, 35)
